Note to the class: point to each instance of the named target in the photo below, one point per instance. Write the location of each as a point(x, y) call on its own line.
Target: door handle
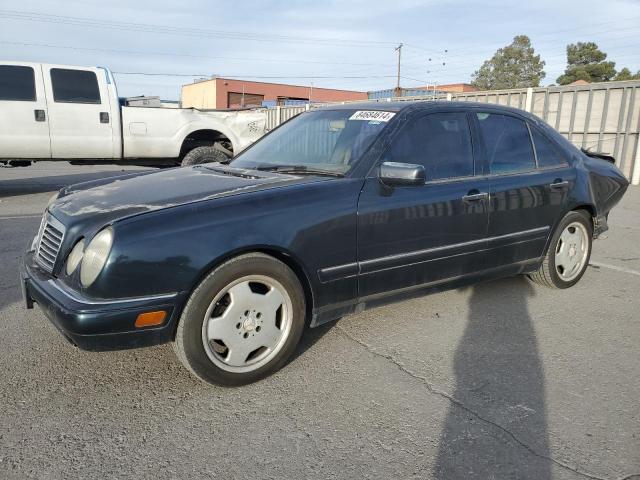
point(474, 196)
point(104, 117)
point(559, 183)
point(40, 115)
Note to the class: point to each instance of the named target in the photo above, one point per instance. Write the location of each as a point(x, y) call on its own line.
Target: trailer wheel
point(204, 155)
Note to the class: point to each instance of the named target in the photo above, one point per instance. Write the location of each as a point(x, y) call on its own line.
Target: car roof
point(422, 105)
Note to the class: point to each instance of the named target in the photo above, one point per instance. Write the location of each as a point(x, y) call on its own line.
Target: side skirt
point(334, 312)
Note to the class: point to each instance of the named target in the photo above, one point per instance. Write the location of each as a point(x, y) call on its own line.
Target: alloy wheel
point(572, 250)
point(247, 323)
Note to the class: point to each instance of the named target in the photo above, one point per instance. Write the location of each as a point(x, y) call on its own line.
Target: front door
point(79, 113)
point(528, 187)
point(411, 236)
point(24, 123)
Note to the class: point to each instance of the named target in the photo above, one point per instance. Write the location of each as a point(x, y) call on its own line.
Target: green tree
point(514, 66)
point(585, 61)
point(625, 74)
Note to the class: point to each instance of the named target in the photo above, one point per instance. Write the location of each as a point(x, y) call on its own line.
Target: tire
point(237, 304)
point(559, 269)
point(204, 155)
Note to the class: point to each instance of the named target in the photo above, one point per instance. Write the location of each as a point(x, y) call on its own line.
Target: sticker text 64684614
point(377, 115)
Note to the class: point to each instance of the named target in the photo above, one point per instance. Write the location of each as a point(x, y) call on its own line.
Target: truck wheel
point(19, 163)
point(242, 322)
point(204, 155)
point(568, 254)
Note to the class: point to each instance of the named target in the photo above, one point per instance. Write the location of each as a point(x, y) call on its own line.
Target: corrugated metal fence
point(601, 116)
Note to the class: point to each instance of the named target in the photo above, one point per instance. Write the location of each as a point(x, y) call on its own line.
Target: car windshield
point(318, 141)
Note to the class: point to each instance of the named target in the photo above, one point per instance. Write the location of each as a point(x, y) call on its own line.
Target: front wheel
point(568, 254)
point(242, 322)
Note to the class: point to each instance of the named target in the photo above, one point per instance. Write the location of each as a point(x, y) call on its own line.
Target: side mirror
point(394, 173)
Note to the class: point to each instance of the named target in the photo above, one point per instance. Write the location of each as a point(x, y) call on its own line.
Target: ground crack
point(434, 390)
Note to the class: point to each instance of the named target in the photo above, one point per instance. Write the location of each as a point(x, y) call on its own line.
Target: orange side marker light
point(149, 319)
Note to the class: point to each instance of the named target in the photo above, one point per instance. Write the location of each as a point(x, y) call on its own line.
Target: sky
point(329, 43)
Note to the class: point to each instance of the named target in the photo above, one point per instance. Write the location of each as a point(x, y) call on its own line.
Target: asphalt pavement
point(505, 379)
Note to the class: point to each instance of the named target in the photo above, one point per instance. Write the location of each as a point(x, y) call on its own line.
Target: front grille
point(49, 242)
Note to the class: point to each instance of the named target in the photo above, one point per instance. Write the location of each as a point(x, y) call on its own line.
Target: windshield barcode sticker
point(376, 115)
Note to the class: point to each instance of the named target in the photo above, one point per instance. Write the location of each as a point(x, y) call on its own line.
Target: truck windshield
point(323, 140)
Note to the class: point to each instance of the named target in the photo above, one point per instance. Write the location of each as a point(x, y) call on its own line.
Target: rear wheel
point(206, 154)
point(568, 254)
point(242, 322)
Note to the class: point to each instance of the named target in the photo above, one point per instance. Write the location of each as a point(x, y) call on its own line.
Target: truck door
point(80, 122)
point(24, 125)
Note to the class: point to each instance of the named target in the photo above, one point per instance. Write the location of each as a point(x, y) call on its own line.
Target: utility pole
point(399, 50)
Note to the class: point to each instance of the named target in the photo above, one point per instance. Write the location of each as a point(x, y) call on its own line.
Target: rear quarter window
point(74, 86)
point(17, 83)
point(547, 153)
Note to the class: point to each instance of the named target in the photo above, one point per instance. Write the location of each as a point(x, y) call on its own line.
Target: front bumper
point(98, 324)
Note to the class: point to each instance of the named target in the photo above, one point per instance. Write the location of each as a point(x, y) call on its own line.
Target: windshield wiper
point(298, 169)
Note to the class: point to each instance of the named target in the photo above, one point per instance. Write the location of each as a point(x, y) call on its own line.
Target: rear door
point(529, 189)
point(411, 236)
point(79, 112)
point(24, 125)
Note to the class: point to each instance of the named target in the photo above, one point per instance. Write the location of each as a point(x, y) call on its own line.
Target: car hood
point(107, 200)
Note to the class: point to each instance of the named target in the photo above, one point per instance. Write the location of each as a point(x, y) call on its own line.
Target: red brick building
point(452, 87)
point(222, 93)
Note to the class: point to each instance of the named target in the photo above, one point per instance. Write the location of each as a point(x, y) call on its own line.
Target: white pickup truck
point(62, 112)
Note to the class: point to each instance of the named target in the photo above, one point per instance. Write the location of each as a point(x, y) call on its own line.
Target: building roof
point(274, 84)
point(452, 87)
point(579, 82)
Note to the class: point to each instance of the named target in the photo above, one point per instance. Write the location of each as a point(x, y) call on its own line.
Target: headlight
point(74, 258)
point(95, 256)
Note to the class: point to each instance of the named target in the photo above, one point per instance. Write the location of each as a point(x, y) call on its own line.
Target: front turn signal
point(150, 319)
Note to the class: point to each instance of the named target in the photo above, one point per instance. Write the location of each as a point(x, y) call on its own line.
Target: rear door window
point(441, 142)
point(17, 83)
point(74, 86)
point(507, 143)
point(547, 154)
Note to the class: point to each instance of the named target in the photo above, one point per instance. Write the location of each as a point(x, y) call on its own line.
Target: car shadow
point(14, 238)
point(496, 426)
point(310, 337)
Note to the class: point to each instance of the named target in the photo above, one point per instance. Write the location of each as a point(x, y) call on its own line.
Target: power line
point(466, 66)
point(465, 52)
point(536, 45)
point(167, 54)
point(459, 67)
point(183, 31)
point(545, 34)
point(196, 75)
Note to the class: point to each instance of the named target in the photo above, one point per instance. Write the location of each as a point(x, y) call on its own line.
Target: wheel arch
point(286, 257)
point(590, 209)
point(587, 207)
point(204, 137)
